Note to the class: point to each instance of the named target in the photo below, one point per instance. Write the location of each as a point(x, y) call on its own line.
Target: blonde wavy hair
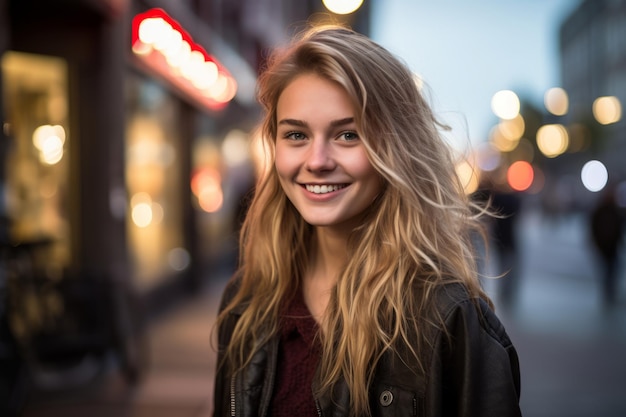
point(416, 235)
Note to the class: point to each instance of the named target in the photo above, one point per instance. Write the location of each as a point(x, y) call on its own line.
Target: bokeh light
point(142, 214)
point(552, 140)
point(342, 6)
point(487, 157)
point(556, 101)
point(520, 175)
point(236, 148)
point(594, 175)
point(505, 104)
point(206, 186)
point(179, 259)
point(142, 210)
point(607, 110)
point(49, 141)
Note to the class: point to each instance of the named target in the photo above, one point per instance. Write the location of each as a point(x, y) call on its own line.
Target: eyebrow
point(302, 123)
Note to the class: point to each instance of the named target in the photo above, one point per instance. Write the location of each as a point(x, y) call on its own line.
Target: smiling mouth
point(323, 189)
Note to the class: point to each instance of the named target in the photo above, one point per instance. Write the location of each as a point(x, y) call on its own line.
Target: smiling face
point(320, 160)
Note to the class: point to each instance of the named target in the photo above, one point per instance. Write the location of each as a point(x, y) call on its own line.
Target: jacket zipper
point(232, 397)
point(317, 403)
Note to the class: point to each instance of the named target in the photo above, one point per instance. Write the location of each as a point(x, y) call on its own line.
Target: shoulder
point(464, 314)
point(473, 354)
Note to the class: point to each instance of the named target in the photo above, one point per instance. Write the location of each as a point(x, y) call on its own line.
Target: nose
point(320, 156)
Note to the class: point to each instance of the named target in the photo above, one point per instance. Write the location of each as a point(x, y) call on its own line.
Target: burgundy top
point(298, 357)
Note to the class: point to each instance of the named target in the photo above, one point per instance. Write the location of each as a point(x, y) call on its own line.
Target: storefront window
point(37, 164)
point(154, 178)
point(222, 183)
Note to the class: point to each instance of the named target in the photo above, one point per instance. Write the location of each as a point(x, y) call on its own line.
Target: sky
point(465, 51)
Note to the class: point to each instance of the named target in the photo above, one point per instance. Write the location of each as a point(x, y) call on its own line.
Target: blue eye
point(295, 135)
point(349, 136)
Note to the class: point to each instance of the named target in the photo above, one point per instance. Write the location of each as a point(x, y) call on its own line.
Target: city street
point(129, 161)
point(571, 348)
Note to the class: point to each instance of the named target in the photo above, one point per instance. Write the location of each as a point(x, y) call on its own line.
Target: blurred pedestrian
point(357, 293)
point(502, 229)
point(506, 204)
point(607, 228)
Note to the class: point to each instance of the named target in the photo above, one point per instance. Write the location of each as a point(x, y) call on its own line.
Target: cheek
point(371, 179)
point(361, 167)
point(283, 163)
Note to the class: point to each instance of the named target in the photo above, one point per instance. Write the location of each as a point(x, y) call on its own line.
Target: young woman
point(357, 292)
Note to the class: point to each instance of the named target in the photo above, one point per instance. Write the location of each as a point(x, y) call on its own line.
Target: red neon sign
point(160, 43)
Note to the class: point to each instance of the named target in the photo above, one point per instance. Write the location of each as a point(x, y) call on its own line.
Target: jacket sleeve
point(475, 368)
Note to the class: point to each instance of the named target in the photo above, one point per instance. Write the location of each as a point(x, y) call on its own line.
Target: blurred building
point(125, 158)
point(116, 167)
point(593, 66)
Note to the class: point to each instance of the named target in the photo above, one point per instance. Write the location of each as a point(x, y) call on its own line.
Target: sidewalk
point(179, 381)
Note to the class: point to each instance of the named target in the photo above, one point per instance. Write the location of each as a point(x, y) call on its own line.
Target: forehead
point(310, 95)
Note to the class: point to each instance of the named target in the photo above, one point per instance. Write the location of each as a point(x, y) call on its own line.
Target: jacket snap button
point(386, 398)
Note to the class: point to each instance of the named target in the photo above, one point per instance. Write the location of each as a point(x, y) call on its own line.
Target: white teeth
point(323, 189)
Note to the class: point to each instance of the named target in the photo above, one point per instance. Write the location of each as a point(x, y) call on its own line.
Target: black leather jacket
point(472, 373)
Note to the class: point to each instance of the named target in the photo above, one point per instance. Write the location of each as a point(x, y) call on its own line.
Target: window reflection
point(37, 166)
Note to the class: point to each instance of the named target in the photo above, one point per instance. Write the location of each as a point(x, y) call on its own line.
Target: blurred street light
point(342, 6)
point(556, 101)
point(552, 140)
point(505, 104)
point(594, 175)
point(607, 110)
point(520, 175)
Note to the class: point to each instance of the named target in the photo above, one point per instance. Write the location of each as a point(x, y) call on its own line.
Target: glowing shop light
point(161, 43)
point(142, 215)
point(49, 140)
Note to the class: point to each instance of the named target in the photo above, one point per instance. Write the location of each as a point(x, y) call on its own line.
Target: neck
point(328, 257)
